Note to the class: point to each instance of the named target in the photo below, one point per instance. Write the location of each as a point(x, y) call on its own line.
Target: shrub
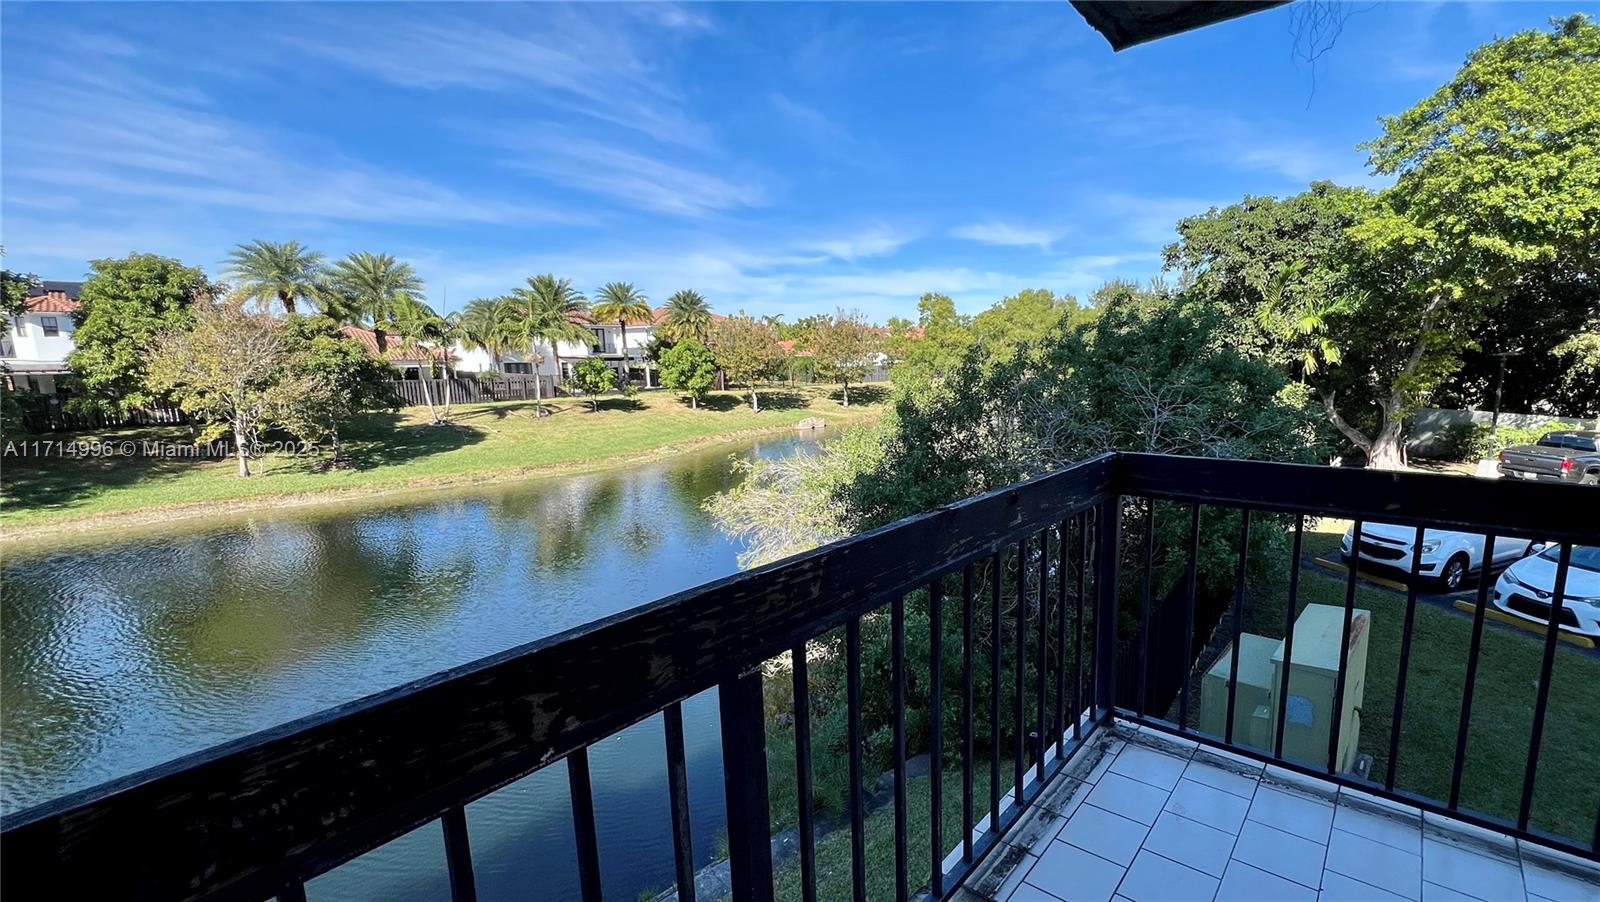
point(1473, 441)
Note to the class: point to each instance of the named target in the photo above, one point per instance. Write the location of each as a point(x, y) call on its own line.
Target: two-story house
point(606, 342)
point(35, 344)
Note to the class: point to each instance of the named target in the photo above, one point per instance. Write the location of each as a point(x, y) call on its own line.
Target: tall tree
point(224, 370)
point(622, 302)
point(1025, 316)
point(483, 327)
point(550, 305)
point(368, 286)
point(688, 316)
point(747, 348)
point(124, 304)
point(843, 348)
point(284, 271)
point(416, 324)
point(594, 378)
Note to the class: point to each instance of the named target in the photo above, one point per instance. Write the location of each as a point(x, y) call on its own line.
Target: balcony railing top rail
point(260, 816)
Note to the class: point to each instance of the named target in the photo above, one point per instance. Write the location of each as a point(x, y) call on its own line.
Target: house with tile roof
point(606, 342)
point(36, 342)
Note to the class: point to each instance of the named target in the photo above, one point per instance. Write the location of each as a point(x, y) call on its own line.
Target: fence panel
point(466, 389)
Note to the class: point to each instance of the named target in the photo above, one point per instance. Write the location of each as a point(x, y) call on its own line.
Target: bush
point(1473, 441)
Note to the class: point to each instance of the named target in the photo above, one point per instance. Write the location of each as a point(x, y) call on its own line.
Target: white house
point(36, 343)
point(606, 344)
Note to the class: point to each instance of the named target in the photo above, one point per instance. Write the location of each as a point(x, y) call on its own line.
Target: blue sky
point(781, 158)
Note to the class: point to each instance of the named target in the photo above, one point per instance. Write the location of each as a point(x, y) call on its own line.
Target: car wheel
point(1454, 573)
point(1590, 478)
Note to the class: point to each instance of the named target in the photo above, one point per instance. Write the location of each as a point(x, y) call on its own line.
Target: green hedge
point(1472, 441)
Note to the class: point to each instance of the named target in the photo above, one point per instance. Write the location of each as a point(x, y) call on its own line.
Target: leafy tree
point(125, 303)
point(1025, 316)
point(594, 378)
point(365, 287)
point(224, 370)
point(543, 313)
point(747, 348)
point(282, 271)
point(1495, 174)
point(483, 327)
point(689, 367)
point(1579, 388)
point(901, 332)
point(621, 302)
point(688, 316)
point(15, 289)
point(843, 347)
point(946, 335)
point(416, 324)
point(329, 379)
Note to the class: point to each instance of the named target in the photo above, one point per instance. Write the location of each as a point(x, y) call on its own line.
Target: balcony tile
point(1561, 882)
point(1284, 854)
point(1148, 765)
point(1339, 888)
point(1225, 775)
point(1129, 798)
point(1433, 892)
point(1292, 812)
point(1380, 864)
point(1210, 806)
point(1073, 875)
point(1027, 892)
point(1471, 868)
point(1192, 843)
point(1390, 827)
point(1111, 836)
point(1156, 879)
point(1244, 883)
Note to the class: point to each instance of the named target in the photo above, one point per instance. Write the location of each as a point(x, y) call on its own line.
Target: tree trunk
point(755, 403)
point(241, 451)
point(287, 300)
point(538, 398)
point(847, 393)
point(623, 325)
point(449, 389)
point(427, 392)
point(555, 355)
point(381, 338)
point(694, 402)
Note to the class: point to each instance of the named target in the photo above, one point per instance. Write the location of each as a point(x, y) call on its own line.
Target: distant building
point(605, 343)
point(36, 343)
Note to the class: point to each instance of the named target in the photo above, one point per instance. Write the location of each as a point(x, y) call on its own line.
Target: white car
point(1525, 588)
point(1448, 557)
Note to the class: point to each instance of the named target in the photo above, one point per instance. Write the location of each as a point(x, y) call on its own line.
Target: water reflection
point(118, 657)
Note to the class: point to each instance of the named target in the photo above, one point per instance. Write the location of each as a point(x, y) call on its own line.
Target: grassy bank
point(392, 451)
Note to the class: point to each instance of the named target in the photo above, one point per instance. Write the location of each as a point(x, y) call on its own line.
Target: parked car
point(1448, 557)
point(1525, 589)
point(1557, 457)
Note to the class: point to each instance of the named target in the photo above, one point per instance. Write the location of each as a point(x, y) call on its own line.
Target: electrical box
point(1255, 691)
point(1313, 677)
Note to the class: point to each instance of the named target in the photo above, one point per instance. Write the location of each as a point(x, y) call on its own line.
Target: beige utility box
point(1313, 677)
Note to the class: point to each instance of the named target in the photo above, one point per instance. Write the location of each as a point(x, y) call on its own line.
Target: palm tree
point(268, 270)
point(556, 295)
point(369, 286)
point(621, 301)
point(542, 314)
point(416, 324)
point(451, 331)
point(483, 327)
point(688, 316)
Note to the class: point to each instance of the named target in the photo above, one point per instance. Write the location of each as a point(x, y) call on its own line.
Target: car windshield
point(1552, 441)
point(1586, 557)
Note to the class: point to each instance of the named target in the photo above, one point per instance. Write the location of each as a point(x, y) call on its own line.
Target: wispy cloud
point(811, 123)
point(876, 241)
point(1007, 235)
point(599, 62)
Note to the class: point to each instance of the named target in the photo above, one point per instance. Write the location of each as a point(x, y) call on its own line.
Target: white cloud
point(1007, 235)
point(876, 241)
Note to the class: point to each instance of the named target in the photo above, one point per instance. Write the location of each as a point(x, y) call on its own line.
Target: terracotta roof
point(396, 351)
point(586, 319)
point(53, 301)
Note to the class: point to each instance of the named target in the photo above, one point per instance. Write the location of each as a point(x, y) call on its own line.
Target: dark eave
point(1131, 22)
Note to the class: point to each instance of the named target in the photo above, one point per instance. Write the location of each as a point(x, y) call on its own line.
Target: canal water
point(120, 656)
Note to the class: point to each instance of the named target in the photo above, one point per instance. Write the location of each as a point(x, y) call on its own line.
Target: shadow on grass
point(722, 403)
point(396, 444)
point(782, 400)
point(861, 394)
point(621, 403)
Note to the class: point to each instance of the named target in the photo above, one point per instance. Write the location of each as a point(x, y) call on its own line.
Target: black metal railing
point(259, 817)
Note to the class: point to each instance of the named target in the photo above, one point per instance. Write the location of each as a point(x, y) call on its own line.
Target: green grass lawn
point(1567, 787)
point(485, 441)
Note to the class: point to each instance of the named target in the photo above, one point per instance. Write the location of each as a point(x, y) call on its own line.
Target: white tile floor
point(1163, 822)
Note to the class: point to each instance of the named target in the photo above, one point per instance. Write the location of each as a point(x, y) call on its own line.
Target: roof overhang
point(1131, 22)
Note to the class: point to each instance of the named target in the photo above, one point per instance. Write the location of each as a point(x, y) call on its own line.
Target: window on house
point(517, 368)
point(599, 339)
point(51, 327)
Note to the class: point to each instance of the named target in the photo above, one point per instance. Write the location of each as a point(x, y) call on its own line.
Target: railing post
point(1108, 539)
point(744, 771)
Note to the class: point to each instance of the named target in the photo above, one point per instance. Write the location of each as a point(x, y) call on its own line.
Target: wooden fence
point(469, 389)
point(53, 417)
